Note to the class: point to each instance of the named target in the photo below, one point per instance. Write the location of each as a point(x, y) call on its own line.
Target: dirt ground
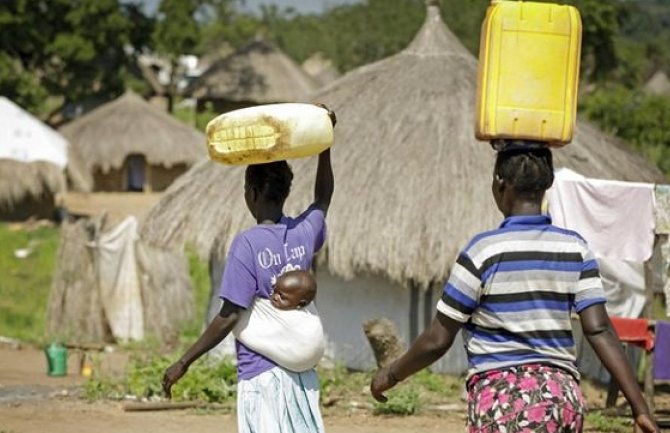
point(33, 402)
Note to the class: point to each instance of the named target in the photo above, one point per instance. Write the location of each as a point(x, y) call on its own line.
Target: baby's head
point(293, 289)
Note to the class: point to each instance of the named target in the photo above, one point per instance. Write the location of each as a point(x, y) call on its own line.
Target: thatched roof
point(258, 72)
point(412, 183)
point(21, 180)
point(321, 69)
point(130, 125)
point(35, 160)
point(658, 84)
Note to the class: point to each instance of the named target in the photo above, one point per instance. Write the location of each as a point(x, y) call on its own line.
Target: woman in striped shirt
point(512, 291)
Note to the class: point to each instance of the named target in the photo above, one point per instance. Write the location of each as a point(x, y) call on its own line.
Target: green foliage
point(199, 272)
point(339, 382)
point(464, 18)
point(607, 424)
point(223, 24)
point(176, 31)
point(205, 381)
point(404, 401)
point(71, 50)
point(350, 35)
point(189, 116)
point(641, 119)
point(26, 283)
point(445, 386)
point(645, 22)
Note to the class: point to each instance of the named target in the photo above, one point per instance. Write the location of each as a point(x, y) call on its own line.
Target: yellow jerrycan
point(268, 133)
point(528, 72)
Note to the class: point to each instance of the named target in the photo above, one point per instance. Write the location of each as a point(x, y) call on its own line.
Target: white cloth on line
point(616, 218)
point(119, 281)
point(294, 339)
point(624, 287)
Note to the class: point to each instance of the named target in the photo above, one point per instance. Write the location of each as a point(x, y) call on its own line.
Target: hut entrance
point(135, 172)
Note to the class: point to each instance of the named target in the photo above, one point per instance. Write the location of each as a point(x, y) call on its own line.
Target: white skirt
point(279, 401)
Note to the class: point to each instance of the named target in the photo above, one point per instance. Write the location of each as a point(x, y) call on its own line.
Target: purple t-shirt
point(257, 257)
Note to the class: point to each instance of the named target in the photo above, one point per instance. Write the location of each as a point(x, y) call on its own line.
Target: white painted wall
point(346, 305)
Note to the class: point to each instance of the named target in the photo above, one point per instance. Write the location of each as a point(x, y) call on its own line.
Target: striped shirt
point(514, 288)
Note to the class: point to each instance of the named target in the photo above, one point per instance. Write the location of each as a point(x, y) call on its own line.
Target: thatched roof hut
point(658, 84)
point(76, 309)
point(129, 125)
point(412, 183)
point(321, 69)
point(36, 163)
point(257, 73)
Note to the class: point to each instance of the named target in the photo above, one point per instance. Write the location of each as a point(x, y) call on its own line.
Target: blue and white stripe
point(515, 288)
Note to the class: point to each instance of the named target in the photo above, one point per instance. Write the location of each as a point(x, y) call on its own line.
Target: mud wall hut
point(257, 73)
point(36, 164)
point(131, 145)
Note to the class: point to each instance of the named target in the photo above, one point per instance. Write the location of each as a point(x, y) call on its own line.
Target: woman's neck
point(269, 214)
point(520, 208)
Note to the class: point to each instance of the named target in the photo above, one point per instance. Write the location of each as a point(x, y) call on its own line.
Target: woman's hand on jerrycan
point(331, 113)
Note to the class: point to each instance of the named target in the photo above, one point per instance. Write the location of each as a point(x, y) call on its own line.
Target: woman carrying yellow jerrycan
point(511, 292)
point(513, 289)
point(270, 398)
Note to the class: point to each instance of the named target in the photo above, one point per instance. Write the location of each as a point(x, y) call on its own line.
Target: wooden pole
point(414, 294)
point(648, 314)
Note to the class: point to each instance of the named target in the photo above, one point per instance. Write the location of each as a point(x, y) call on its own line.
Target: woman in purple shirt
point(270, 398)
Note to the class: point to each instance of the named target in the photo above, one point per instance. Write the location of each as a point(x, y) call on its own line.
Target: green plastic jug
point(56, 359)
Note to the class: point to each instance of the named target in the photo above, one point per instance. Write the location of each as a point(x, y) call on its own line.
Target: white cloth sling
point(294, 339)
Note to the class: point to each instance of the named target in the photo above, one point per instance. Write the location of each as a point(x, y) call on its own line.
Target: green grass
point(205, 381)
point(26, 283)
point(406, 401)
point(596, 420)
point(199, 271)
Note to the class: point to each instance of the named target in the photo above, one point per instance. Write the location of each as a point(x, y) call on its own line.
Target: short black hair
point(272, 180)
point(527, 170)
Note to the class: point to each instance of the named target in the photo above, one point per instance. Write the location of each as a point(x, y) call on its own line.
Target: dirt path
point(32, 402)
point(65, 416)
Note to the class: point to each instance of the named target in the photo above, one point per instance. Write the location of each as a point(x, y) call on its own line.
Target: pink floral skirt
point(525, 398)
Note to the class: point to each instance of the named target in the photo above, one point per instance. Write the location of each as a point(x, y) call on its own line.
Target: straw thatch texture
point(75, 308)
point(321, 69)
point(130, 125)
point(412, 183)
point(257, 72)
point(21, 180)
point(658, 84)
point(167, 294)
point(79, 178)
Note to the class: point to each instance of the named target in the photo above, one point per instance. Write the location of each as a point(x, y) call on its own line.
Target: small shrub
point(204, 381)
point(404, 401)
point(607, 424)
